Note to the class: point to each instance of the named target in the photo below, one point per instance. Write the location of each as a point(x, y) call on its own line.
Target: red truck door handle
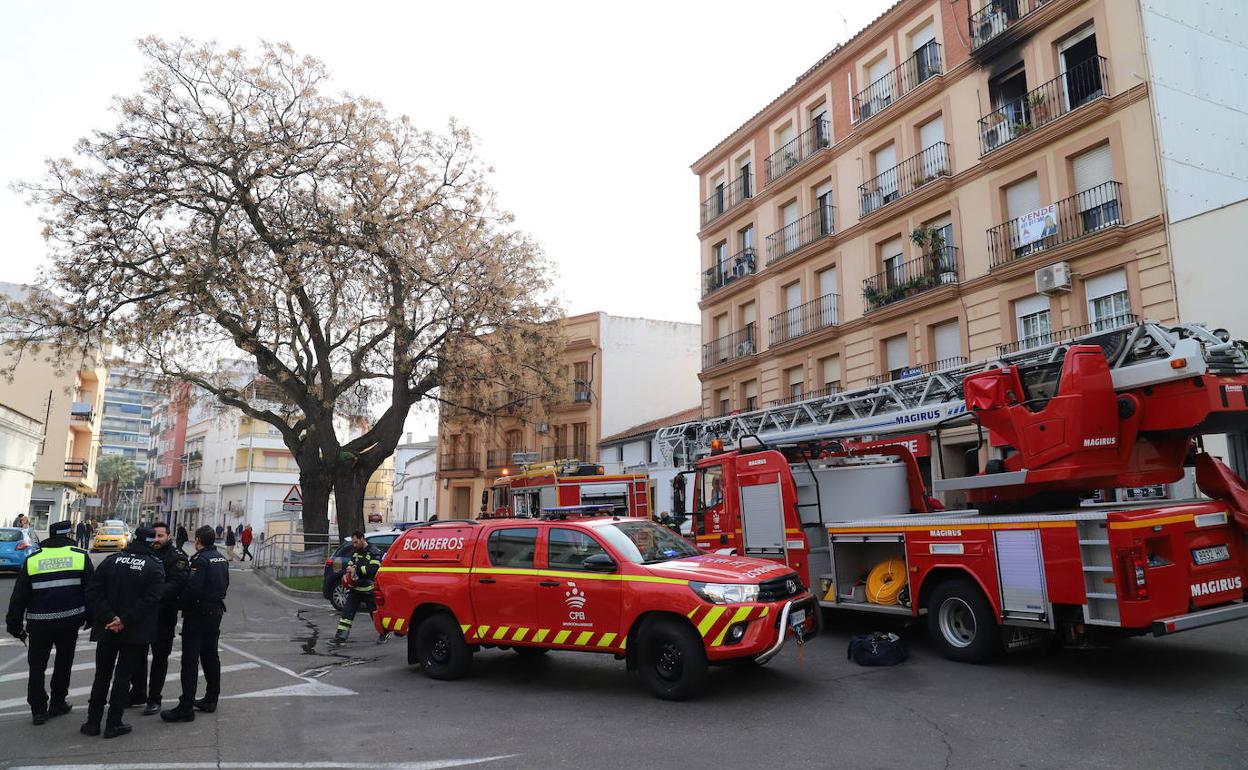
point(549, 583)
point(486, 580)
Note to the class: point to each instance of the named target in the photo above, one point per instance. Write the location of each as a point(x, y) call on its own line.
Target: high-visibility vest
point(56, 591)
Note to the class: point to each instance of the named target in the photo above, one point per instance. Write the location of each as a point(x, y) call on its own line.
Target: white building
point(20, 437)
point(415, 480)
point(634, 450)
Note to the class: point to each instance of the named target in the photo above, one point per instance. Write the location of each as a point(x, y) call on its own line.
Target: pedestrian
point(146, 692)
point(203, 604)
point(361, 571)
point(123, 595)
point(230, 540)
point(220, 531)
point(82, 534)
point(245, 539)
point(182, 538)
point(49, 603)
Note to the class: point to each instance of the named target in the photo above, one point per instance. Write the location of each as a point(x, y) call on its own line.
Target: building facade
point(130, 398)
point(20, 438)
point(621, 371)
point(415, 480)
point(948, 185)
point(634, 450)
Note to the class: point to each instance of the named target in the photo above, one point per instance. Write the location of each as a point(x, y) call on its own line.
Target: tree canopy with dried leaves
point(361, 263)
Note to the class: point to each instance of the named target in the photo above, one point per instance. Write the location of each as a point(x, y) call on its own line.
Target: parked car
point(15, 545)
point(111, 536)
point(374, 518)
point(336, 565)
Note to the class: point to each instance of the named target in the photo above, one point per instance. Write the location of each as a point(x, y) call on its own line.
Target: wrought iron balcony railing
point(724, 272)
point(460, 461)
point(900, 81)
point(998, 16)
point(1079, 85)
point(571, 451)
point(726, 197)
point(791, 155)
point(907, 279)
point(1068, 220)
point(76, 469)
point(827, 390)
point(904, 178)
point(1073, 334)
point(805, 319)
point(819, 223)
point(906, 372)
point(739, 344)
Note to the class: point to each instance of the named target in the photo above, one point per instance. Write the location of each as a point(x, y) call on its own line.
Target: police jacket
point(210, 580)
point(50, 592)
point(127, 585)
point(366, 564)
point(177, 570)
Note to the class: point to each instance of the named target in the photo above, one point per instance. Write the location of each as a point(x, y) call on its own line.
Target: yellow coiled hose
point(886, 581)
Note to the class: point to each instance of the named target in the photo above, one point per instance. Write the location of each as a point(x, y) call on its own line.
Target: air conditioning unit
point(543, 427)
point(1054, 278)
point(745, 349)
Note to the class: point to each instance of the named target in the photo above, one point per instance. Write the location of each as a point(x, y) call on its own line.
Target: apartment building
point(621, 372)
point(162, 491)
point(20, 438)
point(415, 480)
point(951, 183)
point(130, 397)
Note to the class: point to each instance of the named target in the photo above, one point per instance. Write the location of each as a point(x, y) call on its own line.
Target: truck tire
point(671, 659)
point(961, 622)
point(440, 647)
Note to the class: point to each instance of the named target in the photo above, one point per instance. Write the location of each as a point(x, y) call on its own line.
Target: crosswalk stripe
point(76, 691)
point(76, 667)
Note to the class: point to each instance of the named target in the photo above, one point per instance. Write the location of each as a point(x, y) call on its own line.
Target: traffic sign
point(293, 501)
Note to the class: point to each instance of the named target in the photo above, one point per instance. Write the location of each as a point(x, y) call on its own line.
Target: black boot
point(59, 709)
point(38, 717)
point(112, 731)
point(206, 705)
point(90, 728)
point(153, 707)
point(179, 714)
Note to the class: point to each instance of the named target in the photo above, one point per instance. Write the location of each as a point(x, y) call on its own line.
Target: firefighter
point(203, 605)
point(49, 603)
point(361, 570)
point(145, 692)
point(124, 594)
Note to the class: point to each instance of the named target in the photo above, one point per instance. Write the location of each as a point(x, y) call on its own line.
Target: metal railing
point(804, 319)
point(76, 469)
point(907, 279)
point(791, 155)
point(566, 452)
point(727, 196)
point(724, 272)
point(1079, 85)
point(914, 371)
point(904, 178)
point(739, 344)
point(819, 223)
point(825, 391)
point(498, 458)
point(1073, 334)
point(295, 554)
point(900, 81)
point(81, 412)
point(460, 461)
point(1072, 218)
point(998, 16)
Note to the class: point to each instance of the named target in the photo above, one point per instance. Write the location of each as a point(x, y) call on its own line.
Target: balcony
point(1069, 219)
point(907, 372)
point(730, 347)
point(904, 178)
point(819, 223)
point(76, 470)
point(460, 461)
point(805, 319)
point(1081, 84)
point(566, 452)
point(908, 279)
point(791, 155)
point(727, 197)
point(501, 458)
point(824, 392)
point(900, 81)
point(1073, 334)
point(990, 22)
point(724, 272)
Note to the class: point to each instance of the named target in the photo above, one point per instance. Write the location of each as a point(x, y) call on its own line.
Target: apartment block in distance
point(621, 372)
point(953, 183)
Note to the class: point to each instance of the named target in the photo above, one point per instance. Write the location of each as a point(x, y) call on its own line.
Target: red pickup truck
point(621, 586)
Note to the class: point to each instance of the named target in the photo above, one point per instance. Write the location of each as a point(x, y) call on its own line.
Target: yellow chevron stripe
point(398, 624)
point(584, 638)
point(709, 621)
point(623, 642)
point(519, 635)
point(463, 630)
point(692, 612)
point(540, 635)
point(501, 632)
point(559, 637)
point(482, 631)
point(765, 611)
point(741, 614)
point(385, 623)
point(606, 640)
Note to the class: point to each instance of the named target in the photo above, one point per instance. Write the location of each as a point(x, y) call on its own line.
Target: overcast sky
point(590, 113)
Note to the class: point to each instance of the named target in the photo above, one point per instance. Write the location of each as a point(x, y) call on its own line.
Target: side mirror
point(599, 562)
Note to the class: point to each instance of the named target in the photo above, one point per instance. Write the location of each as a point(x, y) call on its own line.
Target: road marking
point(435, 764)
point(310, 687)
point(76, 691)
point(75, 667)
point(12, 663)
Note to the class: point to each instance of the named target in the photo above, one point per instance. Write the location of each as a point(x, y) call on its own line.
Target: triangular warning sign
point(294, 496)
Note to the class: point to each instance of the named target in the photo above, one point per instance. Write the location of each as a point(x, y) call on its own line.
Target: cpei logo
point(574, 597)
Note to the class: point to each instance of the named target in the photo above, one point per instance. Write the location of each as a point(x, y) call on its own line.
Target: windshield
point(10, 535)
point(644, 543)
point(113, 531)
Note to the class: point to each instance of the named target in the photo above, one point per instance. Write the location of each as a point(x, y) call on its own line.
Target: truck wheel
point(440, 648)
point(671, 659)
point(961, 622)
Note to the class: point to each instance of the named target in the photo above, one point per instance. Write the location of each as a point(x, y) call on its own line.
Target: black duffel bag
point(877, 649)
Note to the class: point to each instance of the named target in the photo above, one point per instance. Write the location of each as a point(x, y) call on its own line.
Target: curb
point(282, 587)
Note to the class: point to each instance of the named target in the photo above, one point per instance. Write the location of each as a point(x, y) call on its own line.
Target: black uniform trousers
point(37, 654)
point(150, 689)
point(356, 600)
point(201, 631)
point(115, 662)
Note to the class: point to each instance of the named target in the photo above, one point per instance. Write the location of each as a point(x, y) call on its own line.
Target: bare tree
point(362, 264)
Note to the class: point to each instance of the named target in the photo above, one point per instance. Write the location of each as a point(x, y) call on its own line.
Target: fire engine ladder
point(1098, 573)
point(1139, 354)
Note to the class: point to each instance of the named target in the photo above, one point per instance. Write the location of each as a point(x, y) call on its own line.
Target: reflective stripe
point(55, 583)
point(501, 632)
point(559, 637)
point(519, 635)
point(482, 631)
point(55, 615)
point(584, 638)
point(398, 624)
point(709, 620)
point(540, 636)
point(741, 614)
point(606, 640)
point(385, 623)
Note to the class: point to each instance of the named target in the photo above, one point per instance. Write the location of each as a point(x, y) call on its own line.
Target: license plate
point(797, 618)
point(1210, 555)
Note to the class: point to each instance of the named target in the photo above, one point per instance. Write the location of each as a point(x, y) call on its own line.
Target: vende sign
point(1037, 225)
point(920, 444)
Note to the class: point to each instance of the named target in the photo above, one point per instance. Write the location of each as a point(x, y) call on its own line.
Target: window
point(793, 377)
point(1096, 197)
point(721, 396)
point(567, 549)
point(891, 256)
point(710, 487)
point(789, 237)
point(719, 255)
point(580, 374)
point(747, 320)
point(931, 133)
point(819, 123)
point(513, 547)
point(897, 355)
point(1109, 305)
point(789, 158)
point(823, 204)
point(749, 395)
point(1034, 323)
point(745, 237)
point(830, 371)
point(885, 163)
point(1082, 76)
point(1023, 198)
point(580, 440)
point(947, 341)
point(792, 325)
point(743, 173)
point(880, 91)
point(828, 286)
point(926, 59)
point(717, 195)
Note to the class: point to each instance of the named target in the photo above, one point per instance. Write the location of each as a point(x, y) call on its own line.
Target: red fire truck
point(1029, 561)
point(545, 485)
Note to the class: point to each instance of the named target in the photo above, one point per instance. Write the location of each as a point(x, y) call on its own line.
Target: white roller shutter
point(1094, 167)
point(931, 132)
point(795, 376)
point(885, 158)
point(827, 282)
point(823, 190)
point(1023, 197)
point(897, 351)
point(831, 370)
point(747, 313)
point(890, 249)
point(924, 36)
point(1104, 285)
point(1036, 303)
point(948, 340)
point(789, 214)
point(878, 70)
point(792, 295)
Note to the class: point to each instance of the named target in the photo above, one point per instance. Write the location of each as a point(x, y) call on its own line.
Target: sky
point(590, 113)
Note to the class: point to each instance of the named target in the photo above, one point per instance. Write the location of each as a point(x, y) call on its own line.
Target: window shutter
point(877, 70)
point(831, 370)
point(932, 132)
point(885, 158)
point(795, 376)
point(948, 340)
point(1036, 303)
point(1091, 170)
point(897, 351)
point(1023, 197)
point(1105, 284)
point(923, 36)
point(792, 296)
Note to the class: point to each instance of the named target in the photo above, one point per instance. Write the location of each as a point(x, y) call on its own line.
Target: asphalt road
point(291, 702)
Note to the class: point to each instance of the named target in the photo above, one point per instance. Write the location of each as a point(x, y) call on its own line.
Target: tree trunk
point(349, 487)
point(315, 484)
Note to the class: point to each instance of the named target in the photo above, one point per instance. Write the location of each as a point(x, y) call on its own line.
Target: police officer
point(123, 595)
point(203, 604)
point(49, 603)
point(177, 569)
point(362, 569)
